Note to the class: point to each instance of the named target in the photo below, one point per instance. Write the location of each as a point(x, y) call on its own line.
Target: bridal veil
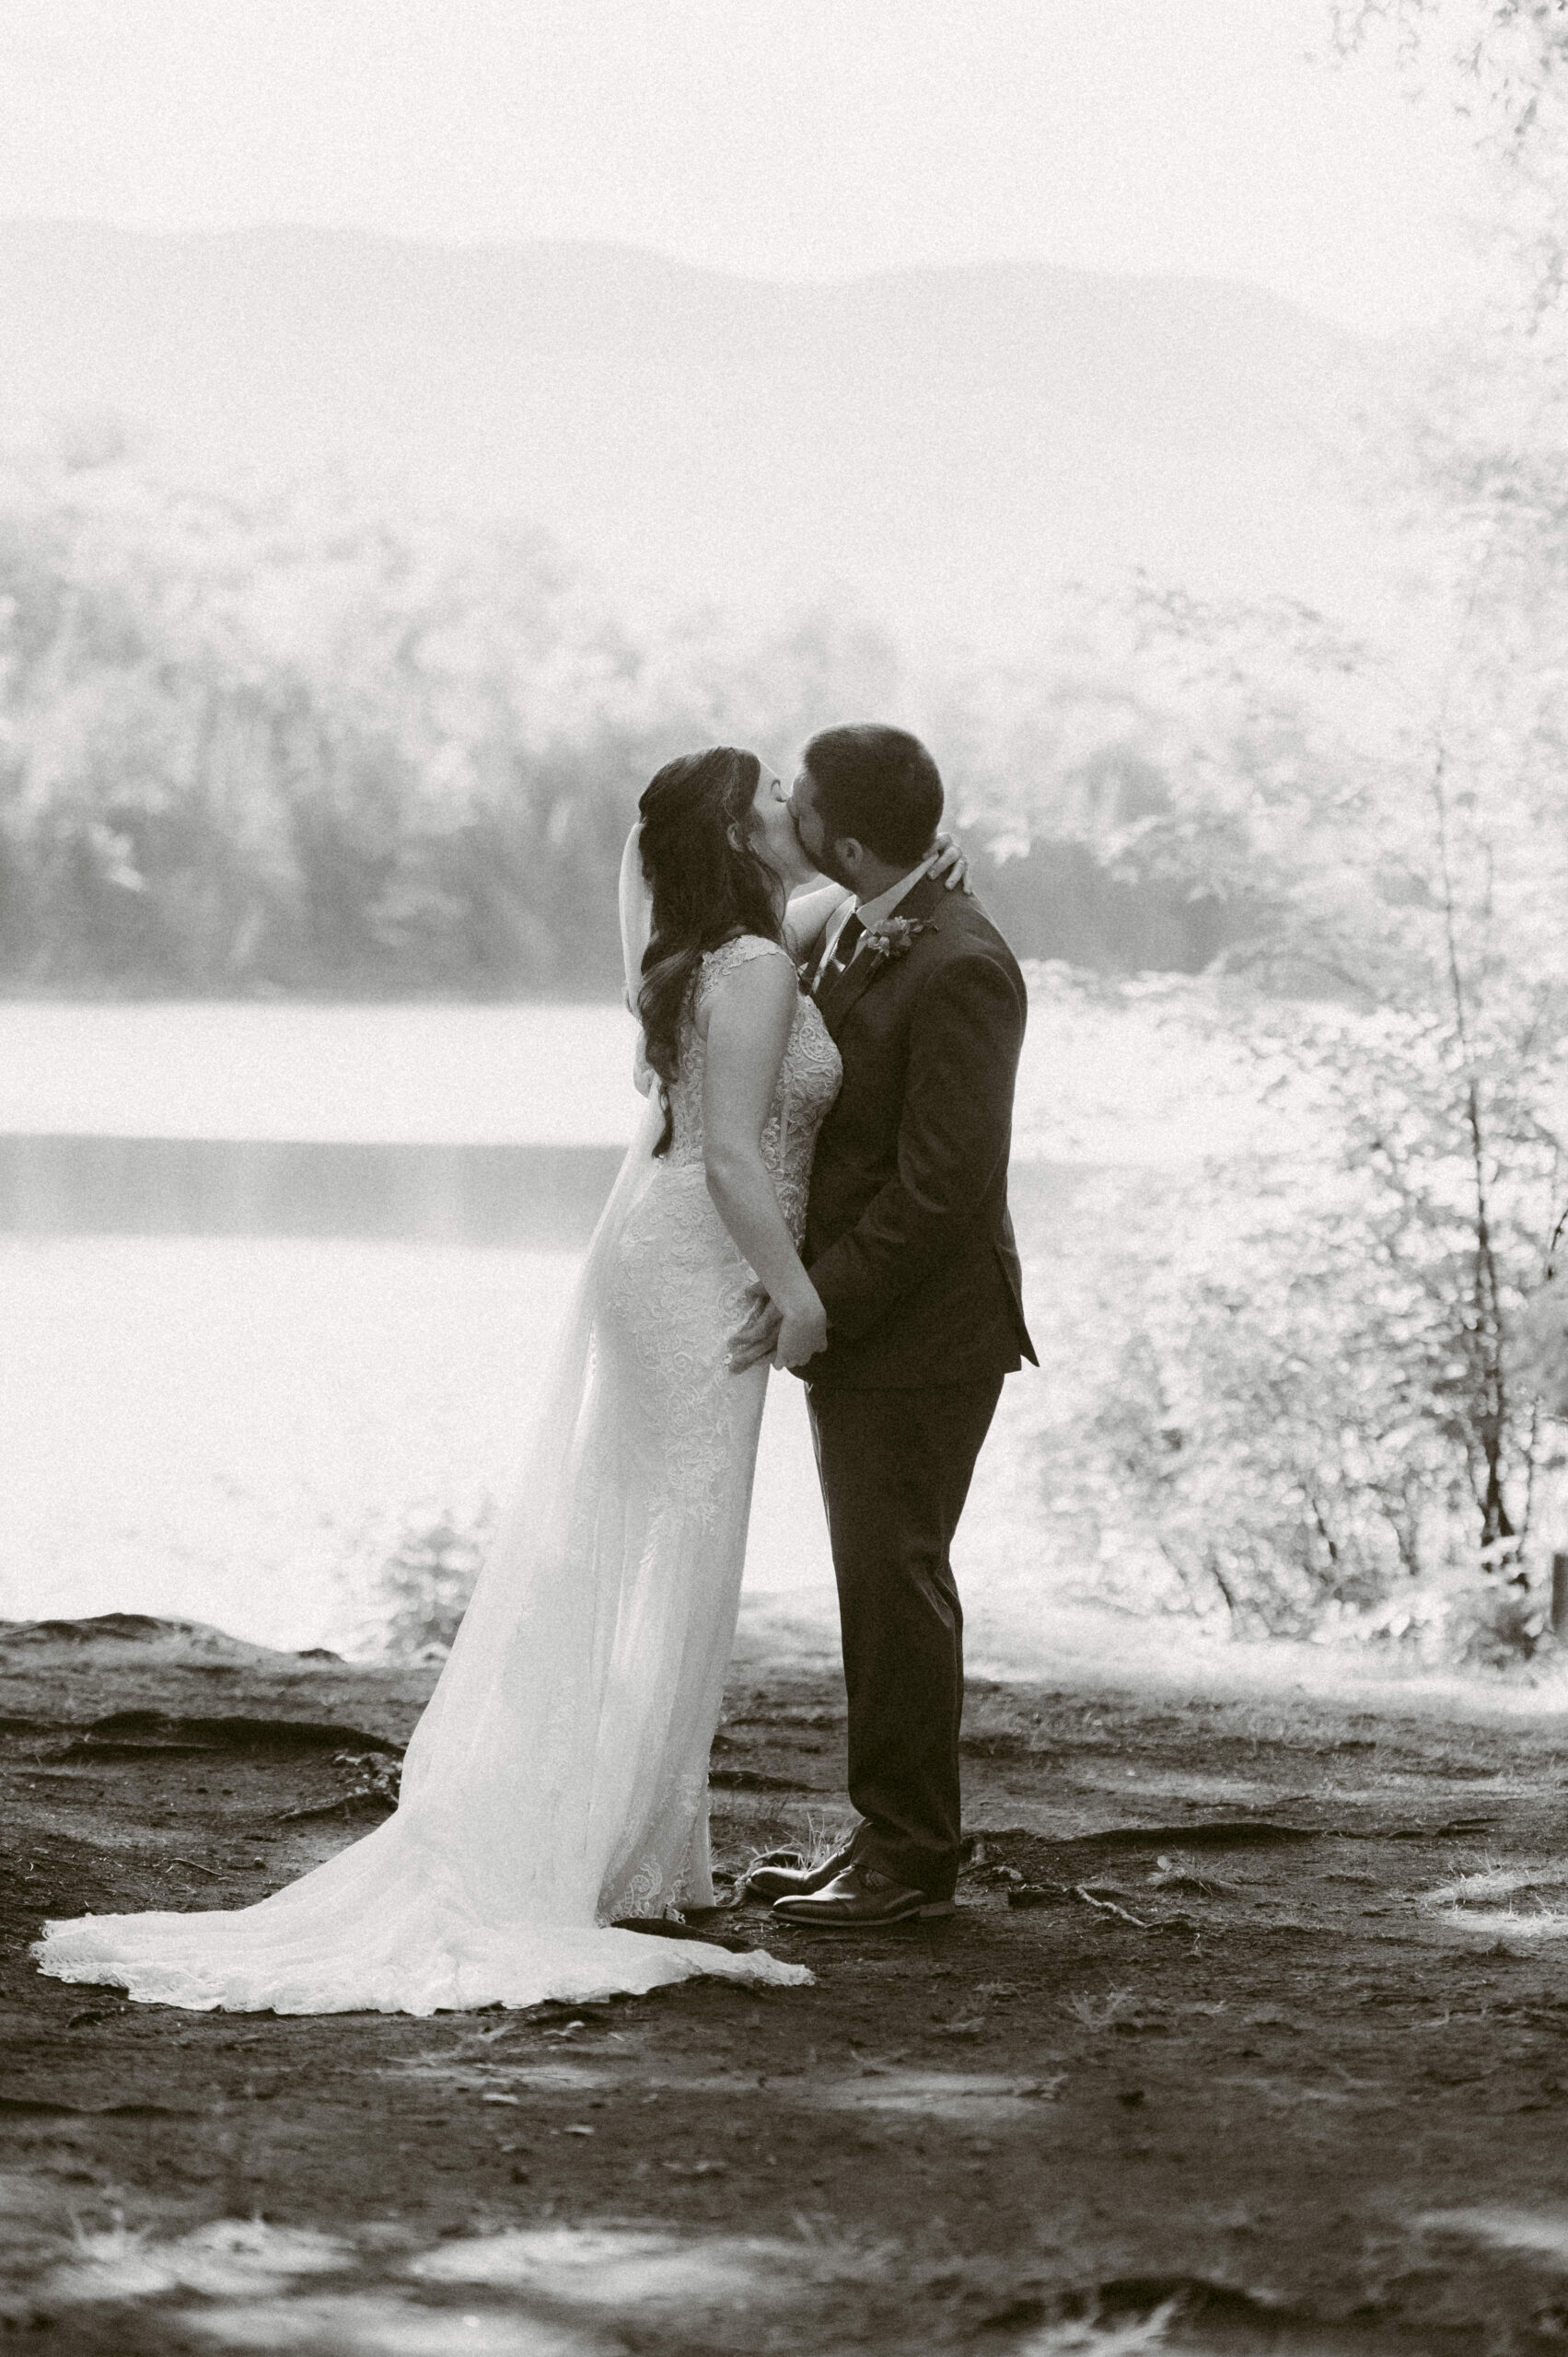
point(557, 1779)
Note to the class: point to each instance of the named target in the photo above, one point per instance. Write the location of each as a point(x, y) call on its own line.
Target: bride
point(557, 1782)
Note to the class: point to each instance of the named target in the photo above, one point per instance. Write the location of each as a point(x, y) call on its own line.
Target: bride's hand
point(802, 1333)
point(753, 1341)
point(951, 867)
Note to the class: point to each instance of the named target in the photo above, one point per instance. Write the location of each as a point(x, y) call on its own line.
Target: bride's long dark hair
point(708, 884)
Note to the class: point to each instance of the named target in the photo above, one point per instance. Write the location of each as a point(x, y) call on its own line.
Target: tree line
point(260, 741)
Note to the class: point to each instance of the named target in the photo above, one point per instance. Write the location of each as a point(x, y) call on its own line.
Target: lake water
point(278, 1284)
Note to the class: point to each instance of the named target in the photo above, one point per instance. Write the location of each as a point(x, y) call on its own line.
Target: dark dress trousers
point(910, 1245)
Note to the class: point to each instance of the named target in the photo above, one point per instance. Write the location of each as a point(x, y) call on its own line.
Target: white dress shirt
point(872, 911)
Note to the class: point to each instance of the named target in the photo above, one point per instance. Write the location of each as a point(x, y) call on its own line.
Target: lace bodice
point(807, 1082)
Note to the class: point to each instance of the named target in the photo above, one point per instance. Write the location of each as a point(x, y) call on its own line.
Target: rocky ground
point(1202, 2059)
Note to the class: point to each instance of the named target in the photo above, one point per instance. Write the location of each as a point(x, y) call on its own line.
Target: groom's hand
point(757, 1338)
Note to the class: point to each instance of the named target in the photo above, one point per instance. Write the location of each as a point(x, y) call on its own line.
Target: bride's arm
point(813, 908)
point(748, 1024)
point(809, 912)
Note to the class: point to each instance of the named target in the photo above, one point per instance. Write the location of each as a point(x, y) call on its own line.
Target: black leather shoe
point(794, 1882)
point(857, 1900)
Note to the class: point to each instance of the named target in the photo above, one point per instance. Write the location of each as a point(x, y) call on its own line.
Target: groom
point(909, 1245)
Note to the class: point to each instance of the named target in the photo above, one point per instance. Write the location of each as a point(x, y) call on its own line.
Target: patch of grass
point(1116, 2009)
point(1085, 2334)
point(1488, 1885)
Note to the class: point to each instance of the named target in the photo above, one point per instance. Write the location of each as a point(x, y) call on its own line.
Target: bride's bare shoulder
point(748, 971)
point(741, 949)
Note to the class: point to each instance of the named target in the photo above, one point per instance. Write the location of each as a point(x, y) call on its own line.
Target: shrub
point(428, 1578)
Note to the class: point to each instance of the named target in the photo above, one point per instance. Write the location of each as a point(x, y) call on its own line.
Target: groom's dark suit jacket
point(908, 1237)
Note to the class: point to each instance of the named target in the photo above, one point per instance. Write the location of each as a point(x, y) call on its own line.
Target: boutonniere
point(890, 938)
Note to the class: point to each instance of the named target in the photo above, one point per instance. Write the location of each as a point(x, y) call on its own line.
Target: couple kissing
point(830, 1036)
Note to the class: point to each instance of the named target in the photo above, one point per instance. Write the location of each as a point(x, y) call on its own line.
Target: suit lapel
point(922, 902)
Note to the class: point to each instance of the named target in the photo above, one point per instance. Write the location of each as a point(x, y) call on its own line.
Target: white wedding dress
point(558, 1779)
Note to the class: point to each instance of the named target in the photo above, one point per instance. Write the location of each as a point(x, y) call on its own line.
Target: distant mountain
point(948, 444)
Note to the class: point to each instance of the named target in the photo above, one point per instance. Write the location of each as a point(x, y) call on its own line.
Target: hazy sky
point(805, 138)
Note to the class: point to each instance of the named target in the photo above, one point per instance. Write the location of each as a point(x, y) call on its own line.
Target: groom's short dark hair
point(877, 785)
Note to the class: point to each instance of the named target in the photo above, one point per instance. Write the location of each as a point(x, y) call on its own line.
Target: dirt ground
point(1226, 2079)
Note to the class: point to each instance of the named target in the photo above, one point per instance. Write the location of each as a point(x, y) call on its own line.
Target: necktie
point(844, 951)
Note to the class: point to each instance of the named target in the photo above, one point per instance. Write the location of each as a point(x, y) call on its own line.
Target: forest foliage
point(260, 740)
point(302, 739)
point(1340, 1398)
